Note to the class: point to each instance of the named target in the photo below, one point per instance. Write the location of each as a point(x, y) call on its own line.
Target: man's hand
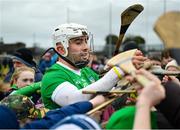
point(97, 100)
point(138, 59)
point(151, 93)
point(167, 78)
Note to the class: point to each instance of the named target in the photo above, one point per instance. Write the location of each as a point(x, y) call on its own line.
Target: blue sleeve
point(38, 75)
point(54, 116)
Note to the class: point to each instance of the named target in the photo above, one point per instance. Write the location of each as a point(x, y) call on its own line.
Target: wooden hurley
point(127, 17)
point(168, 29)
point(124, 61)
point(102, 105)
point(160, 71)
point(108, 92)
point(108, 102)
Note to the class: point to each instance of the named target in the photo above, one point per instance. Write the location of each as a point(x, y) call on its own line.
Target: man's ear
point(60, 48)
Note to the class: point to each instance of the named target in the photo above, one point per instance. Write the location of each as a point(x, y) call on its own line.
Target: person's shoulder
point(54, 76)
point(55, 70)
point(56, 67)
point(89, 70)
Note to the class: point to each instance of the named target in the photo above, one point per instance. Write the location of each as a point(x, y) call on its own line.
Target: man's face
point(172, 68)
point(17, 63)
point(78, 49)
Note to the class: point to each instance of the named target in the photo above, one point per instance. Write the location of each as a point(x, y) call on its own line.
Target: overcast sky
point(32, 21)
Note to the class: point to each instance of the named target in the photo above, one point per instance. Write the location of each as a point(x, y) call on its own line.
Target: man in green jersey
point(63, 83)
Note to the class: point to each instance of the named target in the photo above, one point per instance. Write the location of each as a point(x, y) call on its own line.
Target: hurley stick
point(124, 61)
point(108, 102)
point(102, 105)
point(168, 29)
point(127, 18)
point(108, 92)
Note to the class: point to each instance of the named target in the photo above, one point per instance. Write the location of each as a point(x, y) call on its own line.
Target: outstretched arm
point(66, 93)
point(55, 116)
point(150, 95)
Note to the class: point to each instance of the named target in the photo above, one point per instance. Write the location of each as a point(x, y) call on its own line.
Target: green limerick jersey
point(58, 74)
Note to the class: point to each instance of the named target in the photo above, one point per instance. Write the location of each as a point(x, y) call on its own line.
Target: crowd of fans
point(48, 95)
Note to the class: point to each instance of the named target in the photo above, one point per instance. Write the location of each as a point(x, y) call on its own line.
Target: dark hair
point(165, 54)
point(155, 57)
point(130, 45)
point(25, 56)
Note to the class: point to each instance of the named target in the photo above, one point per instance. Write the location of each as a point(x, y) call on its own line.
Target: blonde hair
point(18, 71)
